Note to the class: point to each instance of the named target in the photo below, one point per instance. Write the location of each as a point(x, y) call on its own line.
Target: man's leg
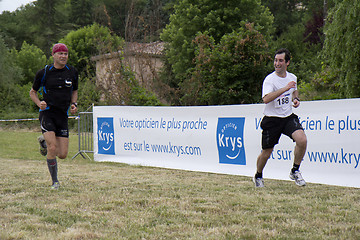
point(299, 152)
point(260, 164)
point(300, 147)
point(62, 147)
point(262, 159)
point(50, 139)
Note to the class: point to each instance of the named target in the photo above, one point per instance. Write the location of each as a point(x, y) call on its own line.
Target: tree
point(17, 26)
point(341, 50)
point(286, 13)
point(216, 18)
point(81, 12)
point(44, 22)
point(50, 23)
point(228, 72)
point(292, 12)
point(10, 72)
point(30, 59)
point(134, 20)
point(87, 42)
point(11, 96)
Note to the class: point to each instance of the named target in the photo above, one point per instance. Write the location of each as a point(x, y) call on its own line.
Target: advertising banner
point(227, 139)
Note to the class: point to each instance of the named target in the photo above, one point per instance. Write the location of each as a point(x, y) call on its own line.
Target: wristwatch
point(74, 103)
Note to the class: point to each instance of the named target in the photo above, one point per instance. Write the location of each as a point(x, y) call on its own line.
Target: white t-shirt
point(281, 106)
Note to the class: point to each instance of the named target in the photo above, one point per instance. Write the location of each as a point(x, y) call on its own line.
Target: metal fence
point(85, 134)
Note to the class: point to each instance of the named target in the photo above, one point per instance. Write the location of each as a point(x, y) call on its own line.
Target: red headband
point(59, 47)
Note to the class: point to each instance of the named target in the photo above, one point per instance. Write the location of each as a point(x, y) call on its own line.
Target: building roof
point(154, 49)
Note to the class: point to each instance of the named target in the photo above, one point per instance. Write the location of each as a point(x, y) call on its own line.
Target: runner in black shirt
point(60, 93)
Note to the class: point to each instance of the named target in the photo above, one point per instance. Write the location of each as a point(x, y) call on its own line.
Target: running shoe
point(298, 178)
point(55, 186)
point(259, 182)
point(43, 146)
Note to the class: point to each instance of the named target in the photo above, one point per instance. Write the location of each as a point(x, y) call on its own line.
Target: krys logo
point(106, 143)
point(230, 140)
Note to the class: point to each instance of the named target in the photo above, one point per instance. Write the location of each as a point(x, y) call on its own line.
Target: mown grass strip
point(119, 201)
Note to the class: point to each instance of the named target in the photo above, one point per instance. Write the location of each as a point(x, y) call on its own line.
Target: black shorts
point(54, 121)
point(273, 127)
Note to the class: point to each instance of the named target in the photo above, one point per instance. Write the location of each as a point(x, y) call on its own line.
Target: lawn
point(119, 201)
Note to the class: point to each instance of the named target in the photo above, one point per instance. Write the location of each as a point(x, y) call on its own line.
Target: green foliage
point(142, 97)
point(341, 49)
point(216, 18)
point(77, 14)
point(16, 102)
point(229, 72)
point(24, 105)
point(10, 76)
point(43, 22)
point(52, 25)
point(34, 28)
point(19, 26)
point(135, 20)
point(88, 94)
point(325, 85)
point(290, 13)
point(30, 59)
point(10, 73)
point(286, 13)
point(304, 62)
point(87, 42)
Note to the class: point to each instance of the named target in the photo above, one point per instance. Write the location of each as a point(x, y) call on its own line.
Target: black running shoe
point(43, 146)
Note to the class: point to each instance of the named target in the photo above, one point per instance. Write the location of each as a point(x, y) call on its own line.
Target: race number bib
point(283, 101)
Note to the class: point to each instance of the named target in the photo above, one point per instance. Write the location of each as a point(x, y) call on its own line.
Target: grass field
point(118, 201)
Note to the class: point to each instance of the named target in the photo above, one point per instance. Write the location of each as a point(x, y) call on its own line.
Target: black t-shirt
point(58, 85)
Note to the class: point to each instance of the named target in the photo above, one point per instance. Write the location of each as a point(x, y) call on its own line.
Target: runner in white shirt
point(280, 94)
point(282, 105)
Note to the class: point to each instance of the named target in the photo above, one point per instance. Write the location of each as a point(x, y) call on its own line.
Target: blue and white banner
point(105, 139)
point(227, 139)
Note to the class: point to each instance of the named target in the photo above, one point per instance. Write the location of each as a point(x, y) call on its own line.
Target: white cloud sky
point(12, 5)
